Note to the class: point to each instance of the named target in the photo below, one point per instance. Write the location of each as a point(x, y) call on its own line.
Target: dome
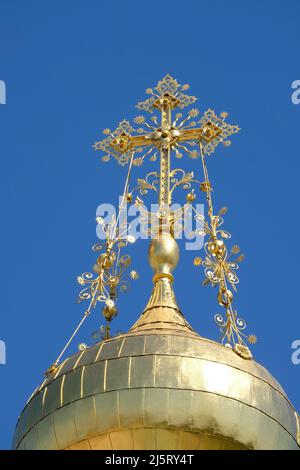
point(160, 386)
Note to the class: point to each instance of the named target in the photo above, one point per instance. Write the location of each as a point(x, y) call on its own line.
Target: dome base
point(158, 389)
point(156, 439)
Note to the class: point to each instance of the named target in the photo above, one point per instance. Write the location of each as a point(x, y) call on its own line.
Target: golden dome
point(158, 389)
point(160, 386)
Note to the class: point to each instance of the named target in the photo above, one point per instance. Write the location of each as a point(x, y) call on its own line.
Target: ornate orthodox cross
point(165, 134)
point(196, 137)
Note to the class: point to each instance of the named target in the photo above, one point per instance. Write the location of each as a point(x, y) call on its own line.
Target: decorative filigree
point(104, 285)
point(107, 280)
point(232, 331)
point(150, 182)
point(117, 143)
point(215, 130)
point(218, 262)
point(180, 178)
point(151, 223)
point(104, 333)
point(168, 92)
point(220, 265)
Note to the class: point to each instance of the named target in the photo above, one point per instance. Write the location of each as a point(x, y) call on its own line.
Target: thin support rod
point(207, 182)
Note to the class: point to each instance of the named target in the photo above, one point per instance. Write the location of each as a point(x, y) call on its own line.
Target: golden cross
point(166, 134)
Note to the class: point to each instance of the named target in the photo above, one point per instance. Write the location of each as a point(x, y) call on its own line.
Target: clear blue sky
point(74, 67)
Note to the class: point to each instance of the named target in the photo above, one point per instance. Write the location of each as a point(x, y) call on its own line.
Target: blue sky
point(73, 68)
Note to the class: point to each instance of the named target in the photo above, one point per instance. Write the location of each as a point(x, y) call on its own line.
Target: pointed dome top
point(162, 311)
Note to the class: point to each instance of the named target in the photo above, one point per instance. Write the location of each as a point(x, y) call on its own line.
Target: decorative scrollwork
point(116, 144)
point(150, 182)
point(220, 267)
point(107, 282)
point(180, 178)
point(231, 331)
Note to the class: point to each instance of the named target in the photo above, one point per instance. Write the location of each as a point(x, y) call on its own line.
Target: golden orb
point(163, 253)
point(216, 247)
point(105, 260)
point(109, 312)
point(190, 197)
